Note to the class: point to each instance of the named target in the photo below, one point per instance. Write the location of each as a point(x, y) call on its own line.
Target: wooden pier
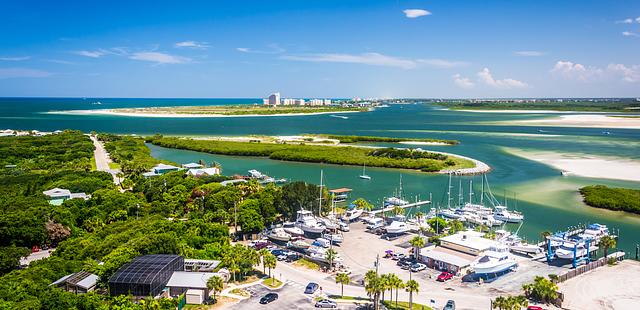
point(410, 205)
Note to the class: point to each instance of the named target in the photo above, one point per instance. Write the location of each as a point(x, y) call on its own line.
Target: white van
point(322, 242)
point(375, 223)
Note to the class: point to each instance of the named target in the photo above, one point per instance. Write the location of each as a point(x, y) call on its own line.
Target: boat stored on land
point(279, 234)
point(496, 260)
point(308, 223)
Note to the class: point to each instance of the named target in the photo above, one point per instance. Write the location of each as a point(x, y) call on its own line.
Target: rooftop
point(448, 256)
point(470, 239)
point(57, 192)
point(340, 190)
point(190, 279)
point(192, 165)
point(81, 279)
point(143, 269)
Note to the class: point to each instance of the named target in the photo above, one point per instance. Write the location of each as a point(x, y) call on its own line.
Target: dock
point(410, 205)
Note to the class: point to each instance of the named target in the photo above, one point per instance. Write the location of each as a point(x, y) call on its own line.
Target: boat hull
point(485, 269)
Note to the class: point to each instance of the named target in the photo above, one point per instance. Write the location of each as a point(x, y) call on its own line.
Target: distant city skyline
point(321, 49)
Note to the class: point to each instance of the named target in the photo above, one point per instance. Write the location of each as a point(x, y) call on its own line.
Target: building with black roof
point(145, 275)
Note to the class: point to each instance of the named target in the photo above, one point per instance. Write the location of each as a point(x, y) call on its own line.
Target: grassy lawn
point(339, 155)
point(93, 163)
point(272, 282)
point(338, 297)
point(113, 165)
point(240, 292)
point(404, 305)
point(307, 264)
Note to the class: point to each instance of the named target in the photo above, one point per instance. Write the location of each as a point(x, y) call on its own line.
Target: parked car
point(277, 252)
point(268, 298)
point(451, 305)
point(405, 266)
point(282, 257)
point(292, 257)
point(418, 267)
point(444, 276)
point(311, 288)
point(398, 256)
point(534, 308)
point(326, 303)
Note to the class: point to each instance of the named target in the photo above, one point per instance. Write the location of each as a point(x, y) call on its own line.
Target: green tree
point(342, 279)
point(417, 242)
point(263, 253)
point(455, 226)
point(437, 224)
point(373, 286)
point(397, 284)
point(330, 256)
point(363, 204)
point(10, 257)
point(397, 210)
point(542, 289)
point(411, 287)
point(215, 284)
point(270, 261)
point(607, 242)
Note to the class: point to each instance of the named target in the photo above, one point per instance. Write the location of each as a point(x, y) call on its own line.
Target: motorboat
point(308, 223)
point(397, 227)
point(516, 244)
point(322, 257)
point(501, 213)
point(455, 214)
point(333, 238)
point(299, 244)
point(596, 230)
point(490, 220)
point(290, 228)
point(495, 260)
point(256, 174)
point(476, 208)
point(352, 214)
point(566, 250)
point(364, 175)
point(395, 201)
point(279, 234)
point(397, 218)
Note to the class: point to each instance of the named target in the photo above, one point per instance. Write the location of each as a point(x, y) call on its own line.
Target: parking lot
point(290, 296)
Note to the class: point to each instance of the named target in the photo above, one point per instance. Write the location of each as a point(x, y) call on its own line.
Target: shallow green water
point(548, 200)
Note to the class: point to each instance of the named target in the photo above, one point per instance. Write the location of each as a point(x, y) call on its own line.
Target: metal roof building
point(145, 275)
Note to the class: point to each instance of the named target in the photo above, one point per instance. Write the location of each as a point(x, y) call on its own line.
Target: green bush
point(617, 199)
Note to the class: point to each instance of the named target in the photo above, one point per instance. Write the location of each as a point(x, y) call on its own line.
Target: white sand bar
point(583, 120)
point(591, 166)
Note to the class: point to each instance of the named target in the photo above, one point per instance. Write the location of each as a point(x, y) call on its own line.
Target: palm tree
point(270, 261)
point(412, 287)
point(519, 301)
point(500, 303)
point(373, 286)
point(541, 289)
point(215, 284)
point(397, 210)
point(545, 234)
point(263, 252)
point(607, 242)
point(385, 284)
point(342, 279)
point(363, 204)
point(417, 242)
point(330, 255)
point(397, 284)
point(232, 261)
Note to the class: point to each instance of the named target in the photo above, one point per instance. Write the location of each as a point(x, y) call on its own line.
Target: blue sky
point(328, 48)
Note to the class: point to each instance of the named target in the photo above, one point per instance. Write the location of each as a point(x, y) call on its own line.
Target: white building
point(316, 102)
point(203, 172)
point(274, 99)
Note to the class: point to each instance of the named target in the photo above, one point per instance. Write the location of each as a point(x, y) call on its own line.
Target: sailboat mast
point(482, 194)
point(460, 194)
point(449, 192)
point(320, 198)
point(400, 190)
point(470, 191)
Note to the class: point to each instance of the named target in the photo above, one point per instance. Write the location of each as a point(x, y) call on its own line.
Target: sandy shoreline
point(522, 111)
point(422, 143)
point(582, 120)
point(180, 115)
point(590, 166)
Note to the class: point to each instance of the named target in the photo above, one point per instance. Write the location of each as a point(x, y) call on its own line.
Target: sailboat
point(364, 175)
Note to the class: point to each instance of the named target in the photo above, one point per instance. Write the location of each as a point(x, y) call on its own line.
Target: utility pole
point(377, 262)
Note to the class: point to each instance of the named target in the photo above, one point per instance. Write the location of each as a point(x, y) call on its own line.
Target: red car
point(445, 276)
point(534, 308)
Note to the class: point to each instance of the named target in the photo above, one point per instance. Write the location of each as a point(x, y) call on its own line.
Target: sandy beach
point(423, 143)
point(107, 112)
point(583, 120)
point(584, 165)
point(521, 111)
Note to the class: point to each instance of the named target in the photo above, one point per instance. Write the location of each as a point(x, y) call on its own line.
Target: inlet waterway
point(548, 200)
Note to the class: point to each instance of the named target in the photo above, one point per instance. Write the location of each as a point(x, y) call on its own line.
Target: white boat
point(299, 244)
point(290, 228)
point(279, 234)
point(308, 223)
point(333, 238)
point(329, 224)
point(352, 215)
point(501, 213)
point(490, 220)
point(497, 259)
point(596, 230)
point(397, 227)
point(395, 201)
point(516, 244)
point(339, 116)
point(256, 174)
point(565, 251)
point(323, 258)
point(364, 175)
point(452, 214)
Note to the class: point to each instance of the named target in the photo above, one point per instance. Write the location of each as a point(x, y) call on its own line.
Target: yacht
point(395, 201)
point(565, 251)
point(364, 175)
point(308, 223)
point(497, 259)
point(490, 220)
point(333, 238)
point(256, 174)
point(322, 257)
point(596, 230)
point(352, 215)
point(397, 228)
point(299, 244)
point(516, 244)
point(501, 213)
point(279, 234)
point(328, 223)
point(290, 228)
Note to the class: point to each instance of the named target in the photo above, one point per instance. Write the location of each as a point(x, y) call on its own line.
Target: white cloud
point(486, 77)
point(530, 53)
point(92, 54)
point(462, 82)
point(8, 73)
point(159, 58)
point(374, 59)
point(630, 34)
point(271, 49)
point(442, 63)
point(625, 21)
point(192, 44)
point(629, 74)
point(415, 13)
point(15, 58)
point(575, 71)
